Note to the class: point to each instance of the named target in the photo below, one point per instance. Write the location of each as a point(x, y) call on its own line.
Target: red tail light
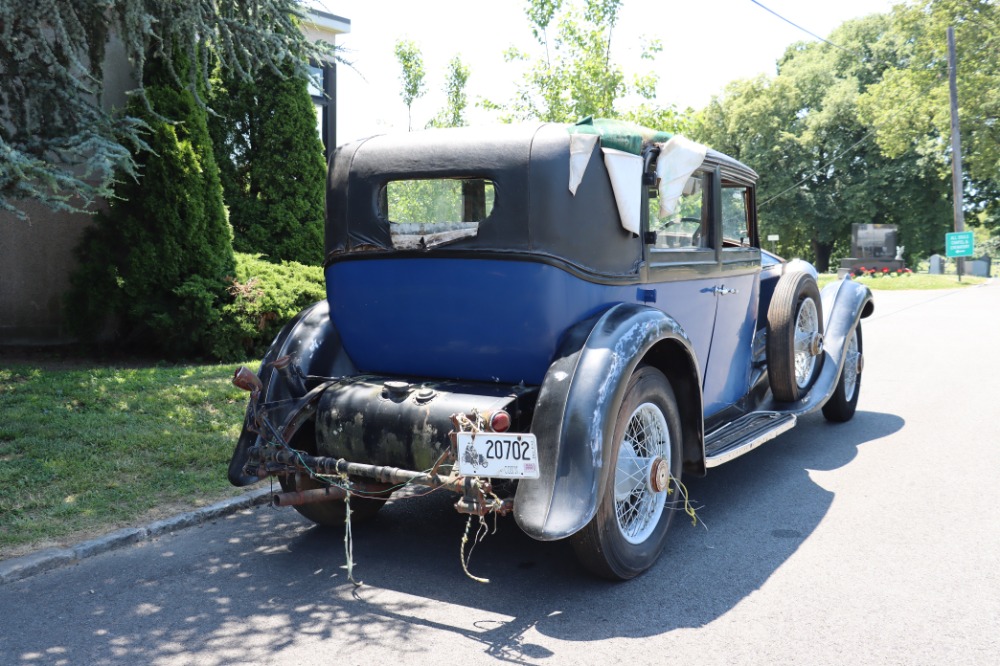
point(500, 421)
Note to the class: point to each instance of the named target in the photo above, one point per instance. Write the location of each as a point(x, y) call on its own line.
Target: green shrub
point(263, 297)
point(156, 262)
point(272, 164)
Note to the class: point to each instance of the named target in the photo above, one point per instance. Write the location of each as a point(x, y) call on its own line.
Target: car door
point(737, 292)
point(682, 262)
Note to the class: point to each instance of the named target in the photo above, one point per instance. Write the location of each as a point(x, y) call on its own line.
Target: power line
point(821, 169)
point(868, 134)
point(861, 56)
point(808, 32)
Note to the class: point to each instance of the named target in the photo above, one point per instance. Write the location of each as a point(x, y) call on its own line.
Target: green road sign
point(958, 244)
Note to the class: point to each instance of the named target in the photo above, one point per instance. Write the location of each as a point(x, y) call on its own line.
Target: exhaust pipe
point(311, 496)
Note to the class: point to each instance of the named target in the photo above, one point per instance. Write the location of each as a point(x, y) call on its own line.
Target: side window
point(687, 227)
point(735, 221)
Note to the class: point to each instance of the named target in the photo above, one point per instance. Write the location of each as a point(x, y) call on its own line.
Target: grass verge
point(84, 450)
point(912, 281)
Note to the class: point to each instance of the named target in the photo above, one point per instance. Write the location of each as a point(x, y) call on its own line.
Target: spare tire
point(794, 336)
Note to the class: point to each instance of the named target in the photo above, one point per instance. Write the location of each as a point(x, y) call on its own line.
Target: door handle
point(724, 291)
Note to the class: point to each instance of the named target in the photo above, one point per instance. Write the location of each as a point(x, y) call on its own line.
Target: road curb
point(19, 568)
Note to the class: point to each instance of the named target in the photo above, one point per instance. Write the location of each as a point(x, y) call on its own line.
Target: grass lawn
point(912, 281)
point(85, 449)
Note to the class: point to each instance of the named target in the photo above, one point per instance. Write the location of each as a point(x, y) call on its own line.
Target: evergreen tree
point(271, 160)
point(158, 259)
point(59, 145)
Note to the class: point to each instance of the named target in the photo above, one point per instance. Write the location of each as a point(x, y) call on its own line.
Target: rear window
point(428, 212)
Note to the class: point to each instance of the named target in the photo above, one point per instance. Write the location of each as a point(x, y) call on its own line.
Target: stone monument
point(872, 247)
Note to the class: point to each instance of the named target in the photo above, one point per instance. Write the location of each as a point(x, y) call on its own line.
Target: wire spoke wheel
point(851, 365)
point(806, 330)
point(638, 506)
point(844, 401)
point(638, 497)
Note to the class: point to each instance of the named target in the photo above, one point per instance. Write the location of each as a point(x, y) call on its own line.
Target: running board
point(744, 434)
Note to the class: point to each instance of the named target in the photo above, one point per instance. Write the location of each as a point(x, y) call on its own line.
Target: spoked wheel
point(794, 337)
point(844, 401)
point(629, 529)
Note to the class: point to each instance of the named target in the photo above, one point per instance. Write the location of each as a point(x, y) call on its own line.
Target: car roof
point(535, 213)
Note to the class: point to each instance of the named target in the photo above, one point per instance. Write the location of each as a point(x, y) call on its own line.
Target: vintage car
point(554, 321)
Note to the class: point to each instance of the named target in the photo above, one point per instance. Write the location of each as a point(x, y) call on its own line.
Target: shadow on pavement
point(267, 581)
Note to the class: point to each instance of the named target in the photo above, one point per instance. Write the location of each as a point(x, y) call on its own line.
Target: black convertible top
point(534, 213)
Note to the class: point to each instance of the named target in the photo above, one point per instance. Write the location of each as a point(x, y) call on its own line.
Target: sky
point(707, 43)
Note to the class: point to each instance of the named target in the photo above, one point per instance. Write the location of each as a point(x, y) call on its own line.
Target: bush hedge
point(155, 264)
point(272, 165)
point(263, 296)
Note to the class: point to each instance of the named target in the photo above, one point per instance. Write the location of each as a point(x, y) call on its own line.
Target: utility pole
point(956, 145)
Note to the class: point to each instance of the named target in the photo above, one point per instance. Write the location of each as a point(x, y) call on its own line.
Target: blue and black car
point(553, 321)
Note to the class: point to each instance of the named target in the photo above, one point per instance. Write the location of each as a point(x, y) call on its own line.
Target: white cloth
point(581, 147)
point(625, 170)
point(679, 157)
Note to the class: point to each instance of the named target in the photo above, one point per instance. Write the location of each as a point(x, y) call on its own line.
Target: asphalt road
point(871, 542)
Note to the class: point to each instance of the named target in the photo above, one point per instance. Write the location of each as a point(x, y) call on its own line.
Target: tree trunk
point(822, 252)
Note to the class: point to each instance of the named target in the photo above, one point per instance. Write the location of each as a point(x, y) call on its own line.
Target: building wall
point(37, 253)
point(36, 257)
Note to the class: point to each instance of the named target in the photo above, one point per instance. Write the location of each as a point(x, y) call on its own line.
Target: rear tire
point(794, 337)
point(334, 512)
point(628, 532)
point(844, 401)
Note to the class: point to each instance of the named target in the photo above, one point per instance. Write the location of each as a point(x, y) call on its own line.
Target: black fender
point(576, 410)
point(314, 345)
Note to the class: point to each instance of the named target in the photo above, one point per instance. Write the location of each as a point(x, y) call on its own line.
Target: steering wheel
point(696, 236)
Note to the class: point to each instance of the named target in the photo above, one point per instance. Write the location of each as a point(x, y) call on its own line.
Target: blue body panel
point(727, 377)
point(485, 319)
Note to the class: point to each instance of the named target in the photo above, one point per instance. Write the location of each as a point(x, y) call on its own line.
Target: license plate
point(509, 455)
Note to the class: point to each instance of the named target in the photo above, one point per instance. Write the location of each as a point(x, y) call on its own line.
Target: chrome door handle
point(723, 291)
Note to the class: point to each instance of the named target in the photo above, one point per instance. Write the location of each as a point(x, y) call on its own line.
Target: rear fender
point(576, 411)
point(312, 342)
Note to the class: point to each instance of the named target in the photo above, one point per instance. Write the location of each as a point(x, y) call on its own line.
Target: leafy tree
point(820, 171)
point(453, 115)
point(910, 107)
point(158, 259)
point(575, 76)
point(271, 161)
point(412, 75)
point(59, 142)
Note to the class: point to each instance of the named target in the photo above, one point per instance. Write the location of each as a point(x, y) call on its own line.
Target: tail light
point(500, 421)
